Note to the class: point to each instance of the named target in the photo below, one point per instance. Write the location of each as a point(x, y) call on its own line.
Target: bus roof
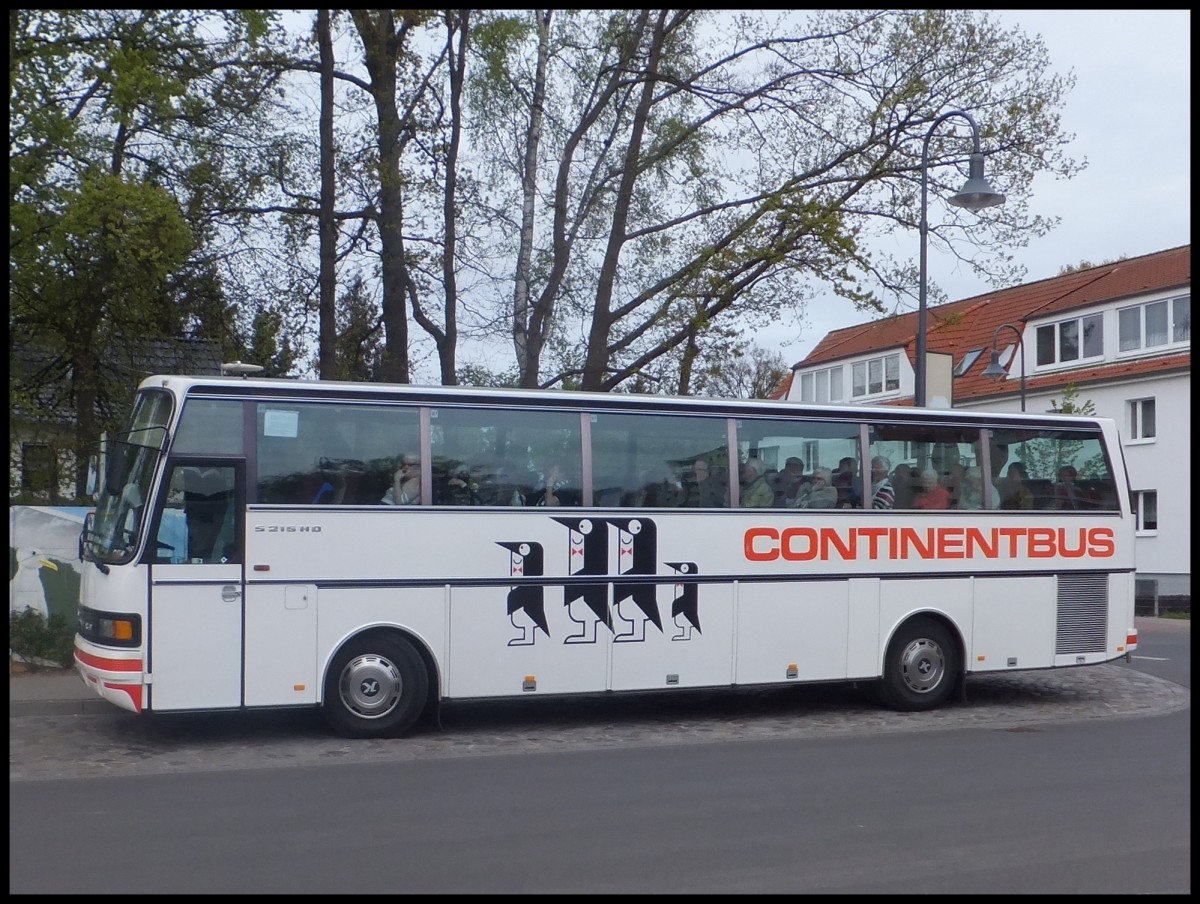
point(288, 388)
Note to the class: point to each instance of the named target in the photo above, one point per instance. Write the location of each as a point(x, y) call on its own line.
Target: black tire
point(376, 687)
point(921, 668)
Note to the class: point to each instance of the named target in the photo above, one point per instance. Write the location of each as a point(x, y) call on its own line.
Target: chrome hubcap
point(370, 686)
point(922, 666)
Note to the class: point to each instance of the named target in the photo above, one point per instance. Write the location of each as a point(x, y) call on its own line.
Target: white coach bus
point(374, 550)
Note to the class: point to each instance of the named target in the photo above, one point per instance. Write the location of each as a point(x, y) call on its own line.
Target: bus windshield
point(132, 461)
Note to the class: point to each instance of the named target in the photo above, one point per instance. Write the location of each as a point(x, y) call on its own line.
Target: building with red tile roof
point(1117, 334)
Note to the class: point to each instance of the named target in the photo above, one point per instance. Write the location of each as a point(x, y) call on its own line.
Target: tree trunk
point(529, 330)
point(377, 30)
point(327, 366)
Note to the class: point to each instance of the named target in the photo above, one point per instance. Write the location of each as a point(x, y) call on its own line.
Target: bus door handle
point(230, 592)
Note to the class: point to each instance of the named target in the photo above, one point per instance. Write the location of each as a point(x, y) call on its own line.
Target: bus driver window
point(197, 524)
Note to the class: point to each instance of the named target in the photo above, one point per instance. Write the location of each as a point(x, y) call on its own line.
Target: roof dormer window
point(1070, 341)
point(1156, 324)
point(967, 360)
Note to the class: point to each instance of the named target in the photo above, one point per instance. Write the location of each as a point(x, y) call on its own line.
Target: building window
point(875, 376)
point(822, 385)
point(39, 468)
point(1181, 319)
point(1145, 510)
point(1141, 419)
point(806, 387)
point(1156, 324)
point(1070, 340)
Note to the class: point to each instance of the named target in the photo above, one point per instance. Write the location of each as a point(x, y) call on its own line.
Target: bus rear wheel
point(920, 668)
point(375, 688)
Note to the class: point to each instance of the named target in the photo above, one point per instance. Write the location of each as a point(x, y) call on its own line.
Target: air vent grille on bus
point(1082, 613)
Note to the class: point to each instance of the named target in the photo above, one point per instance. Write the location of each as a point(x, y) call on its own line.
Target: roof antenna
point(238, 368)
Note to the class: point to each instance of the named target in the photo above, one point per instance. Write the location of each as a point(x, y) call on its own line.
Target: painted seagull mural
point(26, 590)
point(587, 554)
point(526, 560)
point(685, 608)
point(637, 554)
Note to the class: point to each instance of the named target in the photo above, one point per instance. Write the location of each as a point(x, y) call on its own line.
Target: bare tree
point(709, 168)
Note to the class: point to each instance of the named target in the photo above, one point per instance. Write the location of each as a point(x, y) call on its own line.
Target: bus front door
point(197, 589)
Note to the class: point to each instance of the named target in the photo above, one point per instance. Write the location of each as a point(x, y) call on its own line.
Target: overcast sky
point(1130, 111)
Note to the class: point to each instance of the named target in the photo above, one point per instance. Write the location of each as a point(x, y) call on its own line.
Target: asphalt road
point(1066, 782)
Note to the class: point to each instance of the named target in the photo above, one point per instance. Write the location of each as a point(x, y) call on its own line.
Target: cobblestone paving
point(121, 744)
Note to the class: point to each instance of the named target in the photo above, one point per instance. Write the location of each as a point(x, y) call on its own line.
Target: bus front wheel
point(375, 688)
point(921, 666)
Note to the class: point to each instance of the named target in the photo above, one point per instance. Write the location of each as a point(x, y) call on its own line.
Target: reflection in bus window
point(331, 453)
point(501, 457)
point(1046, 458)
point(643, 460)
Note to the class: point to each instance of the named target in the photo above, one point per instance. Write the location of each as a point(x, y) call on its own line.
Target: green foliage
point(479, 375)
point(39, 640)
point(1070, 403)
point(1087, 265)
point(359, 334)
point(269, 347)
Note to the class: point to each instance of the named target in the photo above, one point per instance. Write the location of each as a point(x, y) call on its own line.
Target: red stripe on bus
point(109, 665)
point(134, 692)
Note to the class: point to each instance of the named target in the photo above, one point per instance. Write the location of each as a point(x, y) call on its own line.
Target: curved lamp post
point(995, 371)
point(976, 194)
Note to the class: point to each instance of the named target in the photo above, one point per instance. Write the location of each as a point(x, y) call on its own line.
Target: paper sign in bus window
point(278, 422)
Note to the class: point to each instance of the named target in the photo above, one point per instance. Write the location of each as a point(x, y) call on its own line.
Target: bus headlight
point(116, 629)
point(111, 628)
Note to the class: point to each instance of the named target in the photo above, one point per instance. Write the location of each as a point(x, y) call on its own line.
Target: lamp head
point(977, 193)
point(994, 370)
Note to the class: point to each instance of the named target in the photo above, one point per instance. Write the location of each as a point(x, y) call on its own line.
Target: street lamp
point(976, 194)
point(995, 371)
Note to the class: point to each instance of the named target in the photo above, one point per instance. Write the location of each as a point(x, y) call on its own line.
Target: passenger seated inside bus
point(406, 482)
point(756, 489)
point(704, 486)
point(971, 496)
point(934, 495)
point(817, 492)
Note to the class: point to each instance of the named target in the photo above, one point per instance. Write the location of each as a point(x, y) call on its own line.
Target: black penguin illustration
point(637, 553)
point(587, 554)
point(685, 608)
point(526, 559)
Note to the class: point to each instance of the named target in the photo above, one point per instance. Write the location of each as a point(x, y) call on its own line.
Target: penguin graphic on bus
point(526, 602)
